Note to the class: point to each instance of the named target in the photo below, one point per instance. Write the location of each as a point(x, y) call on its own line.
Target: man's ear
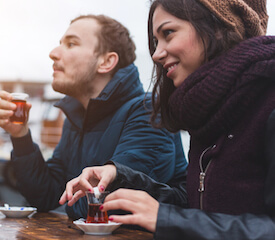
point(108, 62)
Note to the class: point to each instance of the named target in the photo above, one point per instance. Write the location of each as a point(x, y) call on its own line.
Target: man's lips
point(57, 68)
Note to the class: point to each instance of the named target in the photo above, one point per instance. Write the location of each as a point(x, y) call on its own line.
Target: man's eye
point(70, 44)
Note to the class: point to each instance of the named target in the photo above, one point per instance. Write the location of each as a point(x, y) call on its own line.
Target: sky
point(30, 29)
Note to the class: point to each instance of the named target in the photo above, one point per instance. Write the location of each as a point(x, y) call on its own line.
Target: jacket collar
point(124, 86)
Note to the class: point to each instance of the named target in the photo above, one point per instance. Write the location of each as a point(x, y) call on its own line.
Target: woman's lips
point(171, 69)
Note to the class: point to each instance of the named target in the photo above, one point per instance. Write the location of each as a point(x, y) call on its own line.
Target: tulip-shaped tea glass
point(95, 200)
point(20, 115)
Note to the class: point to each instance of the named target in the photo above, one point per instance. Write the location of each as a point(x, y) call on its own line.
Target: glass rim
point(100, 192)
point(19, 96)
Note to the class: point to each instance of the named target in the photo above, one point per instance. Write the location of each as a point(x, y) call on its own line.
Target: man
point(105, 117)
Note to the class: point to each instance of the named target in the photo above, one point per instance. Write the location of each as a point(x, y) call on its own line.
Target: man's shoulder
point(142, 102)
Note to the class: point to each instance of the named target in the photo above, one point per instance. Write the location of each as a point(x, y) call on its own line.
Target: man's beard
point(82, 85)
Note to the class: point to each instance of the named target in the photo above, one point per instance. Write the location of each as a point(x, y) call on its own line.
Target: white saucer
point(17, 212)
point(96, 228)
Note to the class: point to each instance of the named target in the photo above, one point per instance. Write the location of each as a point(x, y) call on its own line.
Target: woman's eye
point(155, 42)
point(167, 32)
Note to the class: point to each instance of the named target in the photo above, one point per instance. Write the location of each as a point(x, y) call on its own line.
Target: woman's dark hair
point(216, 39)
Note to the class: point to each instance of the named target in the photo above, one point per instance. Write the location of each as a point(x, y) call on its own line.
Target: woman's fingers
point(63, 198)
point(76, 185)
point(144, 208)
point(88, 179)
point(97, 176)
point(128, 200)
point(121, 204)
point(129, 219)
point(106, 177)
point(90, 176)
point(133, 195)
point(79, 194)
point(71, 188)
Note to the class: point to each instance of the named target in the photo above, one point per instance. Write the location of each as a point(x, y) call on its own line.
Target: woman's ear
point(108, 62)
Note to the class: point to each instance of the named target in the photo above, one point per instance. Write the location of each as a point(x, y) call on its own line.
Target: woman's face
point(178, 48)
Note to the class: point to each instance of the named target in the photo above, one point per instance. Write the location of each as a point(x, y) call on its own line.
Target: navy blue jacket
point(114, 127)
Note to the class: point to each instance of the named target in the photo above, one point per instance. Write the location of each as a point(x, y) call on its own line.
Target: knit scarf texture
point(212, 99)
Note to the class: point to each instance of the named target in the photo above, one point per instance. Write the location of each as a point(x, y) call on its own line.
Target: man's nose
point(55, 53)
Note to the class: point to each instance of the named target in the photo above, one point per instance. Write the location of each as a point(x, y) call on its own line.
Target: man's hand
point(6, 111)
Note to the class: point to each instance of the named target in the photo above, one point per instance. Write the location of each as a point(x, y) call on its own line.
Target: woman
point(215, 79)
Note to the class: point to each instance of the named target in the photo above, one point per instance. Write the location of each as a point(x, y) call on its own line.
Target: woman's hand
point(144, 208)
point(6, 111)
point(89, 178)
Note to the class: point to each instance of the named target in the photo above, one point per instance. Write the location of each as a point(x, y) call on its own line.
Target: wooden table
point(58, 226)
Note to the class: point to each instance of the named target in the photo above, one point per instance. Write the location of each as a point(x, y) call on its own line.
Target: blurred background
point(29, 30)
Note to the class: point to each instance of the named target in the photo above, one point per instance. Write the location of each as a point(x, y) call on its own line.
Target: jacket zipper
point(203, 174)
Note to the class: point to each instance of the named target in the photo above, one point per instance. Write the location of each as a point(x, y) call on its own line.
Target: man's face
point(75, 60)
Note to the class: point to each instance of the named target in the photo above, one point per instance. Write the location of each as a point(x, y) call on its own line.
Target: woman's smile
point(178, 47)
point(171, 69)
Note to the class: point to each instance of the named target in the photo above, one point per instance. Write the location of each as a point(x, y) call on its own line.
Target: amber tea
point(20, 114)
point(95, 200)
point(95, 215)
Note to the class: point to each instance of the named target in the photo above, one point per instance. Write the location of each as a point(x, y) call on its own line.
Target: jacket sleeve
point(131, 179)
point(155, 152)
point(40, 182)
point(177, 223)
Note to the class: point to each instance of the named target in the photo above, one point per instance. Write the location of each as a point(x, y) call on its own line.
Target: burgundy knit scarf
point(214, 97)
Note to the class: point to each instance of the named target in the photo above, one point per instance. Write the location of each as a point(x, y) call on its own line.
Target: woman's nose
point(159, 54)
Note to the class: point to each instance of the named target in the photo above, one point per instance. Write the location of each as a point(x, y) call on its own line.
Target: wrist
point(23, 132)
point(23, 145)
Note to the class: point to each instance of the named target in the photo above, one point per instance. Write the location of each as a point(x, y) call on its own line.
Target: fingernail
point(102, 188)
point(89, 190)
point(101, 207)
point(111, 219)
